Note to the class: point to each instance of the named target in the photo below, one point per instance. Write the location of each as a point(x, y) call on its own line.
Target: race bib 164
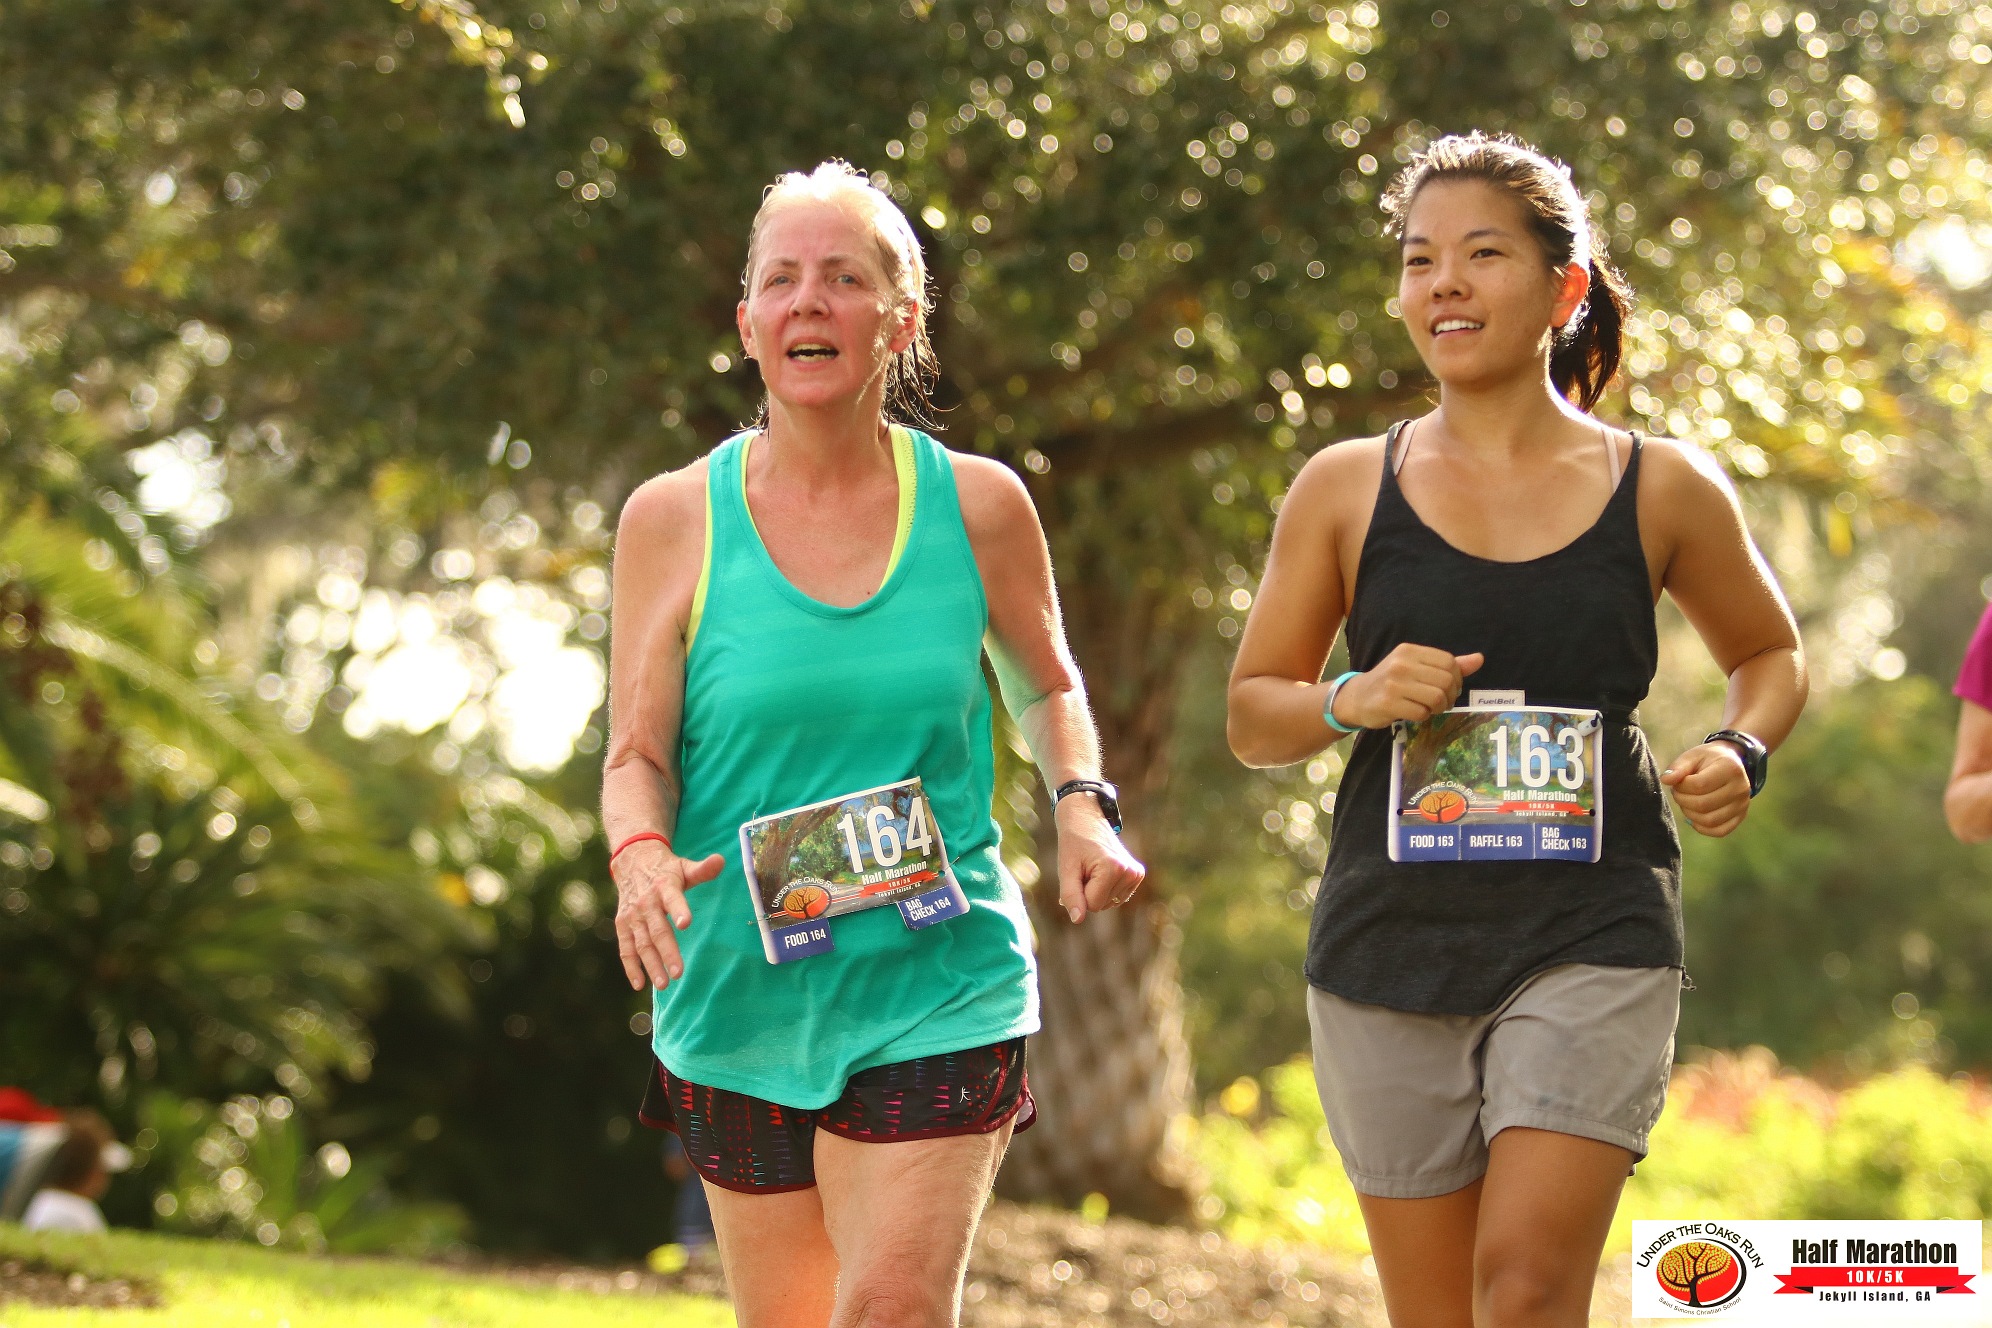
point(843, 855)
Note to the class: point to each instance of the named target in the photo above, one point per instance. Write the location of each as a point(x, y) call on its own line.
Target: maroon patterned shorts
point(744, 1143)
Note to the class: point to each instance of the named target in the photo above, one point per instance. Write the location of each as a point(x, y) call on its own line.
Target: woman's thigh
point(900, 1217)
point(1546, 1205)
point(781, 1270)
point(1424, 1256)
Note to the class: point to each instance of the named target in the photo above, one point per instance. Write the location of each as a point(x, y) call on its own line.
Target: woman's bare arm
point(1968, 799)
point(1276, 694)
point(1728, 594)
point(660, 542)
point(1040, 682)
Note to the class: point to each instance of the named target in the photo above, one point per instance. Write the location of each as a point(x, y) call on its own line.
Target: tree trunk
point(1111, 1069)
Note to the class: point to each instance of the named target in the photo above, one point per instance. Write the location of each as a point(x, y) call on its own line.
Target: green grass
point(219, 1284)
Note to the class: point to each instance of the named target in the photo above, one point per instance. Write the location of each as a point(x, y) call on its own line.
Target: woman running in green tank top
point(799, 622)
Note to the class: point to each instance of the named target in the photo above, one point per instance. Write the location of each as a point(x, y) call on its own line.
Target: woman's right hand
point(1412, 682)
point(651, 882)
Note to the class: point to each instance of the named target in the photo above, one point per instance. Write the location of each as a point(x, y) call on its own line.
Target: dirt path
point(1030, 1268)
point(33, 1282)
point(1046, 1268)
point(1041, 1268)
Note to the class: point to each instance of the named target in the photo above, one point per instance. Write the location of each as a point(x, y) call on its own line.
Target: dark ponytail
point(1587, 350)
point(1586, 355)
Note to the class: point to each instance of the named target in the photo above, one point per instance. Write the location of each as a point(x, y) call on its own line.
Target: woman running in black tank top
point(1493, 1031)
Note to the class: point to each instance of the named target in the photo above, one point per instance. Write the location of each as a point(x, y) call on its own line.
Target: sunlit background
point(332, 342)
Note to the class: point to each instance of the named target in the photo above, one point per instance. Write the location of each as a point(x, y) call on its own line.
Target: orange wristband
point(637, 839)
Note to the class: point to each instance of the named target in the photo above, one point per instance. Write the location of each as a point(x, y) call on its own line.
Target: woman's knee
point(1528, 1292)
point(885, 1301)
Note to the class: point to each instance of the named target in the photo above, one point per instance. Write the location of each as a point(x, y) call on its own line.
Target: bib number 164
point(886, 846)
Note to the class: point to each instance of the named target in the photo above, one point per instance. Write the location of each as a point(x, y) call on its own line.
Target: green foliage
point(522, 1110)
point(1738, 1139)
point(193, 899)
point(244, 1170)
point(1843, 926)
point(1273, 1171)
point(204, 1283)
point(1243, 855)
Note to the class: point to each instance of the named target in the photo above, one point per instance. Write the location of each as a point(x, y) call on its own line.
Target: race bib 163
point(1481, 784)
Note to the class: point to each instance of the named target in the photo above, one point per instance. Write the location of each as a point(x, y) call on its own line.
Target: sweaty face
point(1478, 295)
point(820, 316)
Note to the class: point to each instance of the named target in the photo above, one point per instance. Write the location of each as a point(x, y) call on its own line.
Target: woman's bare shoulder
point(990, 493)
point(665, 502)
point(1686, 472)
point(663, 521)
point(1337, 474)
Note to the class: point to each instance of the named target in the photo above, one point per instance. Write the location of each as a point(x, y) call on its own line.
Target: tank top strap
point(933, 478)
point(1622, 508)
point(1392, 513)
point(723, 490)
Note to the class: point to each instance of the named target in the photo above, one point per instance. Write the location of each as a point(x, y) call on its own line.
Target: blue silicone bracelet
point(1328, 706)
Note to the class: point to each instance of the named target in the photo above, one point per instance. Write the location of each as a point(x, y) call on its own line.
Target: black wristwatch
point(1756, 756)
point(1107, 795)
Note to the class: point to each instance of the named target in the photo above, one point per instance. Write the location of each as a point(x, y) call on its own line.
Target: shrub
point(1741, 1138)
point(243, 1170)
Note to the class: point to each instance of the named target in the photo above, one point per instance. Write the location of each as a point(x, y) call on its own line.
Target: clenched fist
point(1412, 682)
point(1711, 786)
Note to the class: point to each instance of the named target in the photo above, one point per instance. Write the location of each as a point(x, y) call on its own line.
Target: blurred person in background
point(1968, 800)
point(31, 1134)
point(78, 1177)
point(691, 1215)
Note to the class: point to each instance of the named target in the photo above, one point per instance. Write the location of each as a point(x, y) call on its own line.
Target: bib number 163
point(1535, 752)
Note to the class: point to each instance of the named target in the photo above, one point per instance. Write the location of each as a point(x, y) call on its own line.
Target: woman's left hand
point(1711, 787)
point(1095, 870)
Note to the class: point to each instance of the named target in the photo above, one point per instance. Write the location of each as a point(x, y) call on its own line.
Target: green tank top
point(789, 701)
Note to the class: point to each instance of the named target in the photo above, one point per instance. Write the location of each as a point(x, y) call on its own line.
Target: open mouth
point(812, 350)
point(1448, 326)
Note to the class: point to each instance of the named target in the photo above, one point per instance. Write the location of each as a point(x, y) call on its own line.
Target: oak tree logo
point(1700, 1274)
point(1444, 803)
point(806, 899)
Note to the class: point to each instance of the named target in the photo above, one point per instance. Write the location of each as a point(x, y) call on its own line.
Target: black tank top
point(1571, 628)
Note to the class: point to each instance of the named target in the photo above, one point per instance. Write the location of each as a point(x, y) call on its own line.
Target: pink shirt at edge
point(1974, 678)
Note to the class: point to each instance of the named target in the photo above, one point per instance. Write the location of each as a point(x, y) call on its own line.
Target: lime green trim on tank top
point(705, 578)
point(903, 465)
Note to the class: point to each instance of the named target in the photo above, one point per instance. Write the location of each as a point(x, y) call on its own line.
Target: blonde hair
point(912, 373)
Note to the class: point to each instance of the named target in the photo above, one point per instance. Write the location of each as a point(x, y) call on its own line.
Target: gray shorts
point(1412, 1099)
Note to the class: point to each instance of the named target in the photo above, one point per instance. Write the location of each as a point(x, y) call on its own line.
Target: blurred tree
point(316, 236)
point(189, 899)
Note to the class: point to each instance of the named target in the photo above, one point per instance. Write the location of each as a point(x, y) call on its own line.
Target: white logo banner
point(1810, 1272)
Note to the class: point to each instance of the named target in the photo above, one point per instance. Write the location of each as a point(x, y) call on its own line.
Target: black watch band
point(1107, 795)
point(1756, 756)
